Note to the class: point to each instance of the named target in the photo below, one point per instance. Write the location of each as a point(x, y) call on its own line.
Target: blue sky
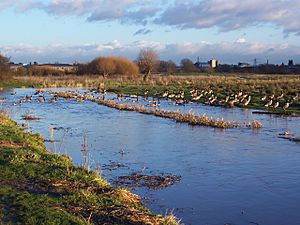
point(79, 30)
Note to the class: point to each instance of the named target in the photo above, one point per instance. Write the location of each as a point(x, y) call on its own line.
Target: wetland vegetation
point(38, 187)
point(273, 93)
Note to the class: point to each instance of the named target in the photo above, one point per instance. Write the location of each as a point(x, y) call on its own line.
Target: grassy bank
point(37, 187)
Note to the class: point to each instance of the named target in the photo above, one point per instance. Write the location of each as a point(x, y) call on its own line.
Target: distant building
point(213, 63)
point(244, 64)
point(291, 62)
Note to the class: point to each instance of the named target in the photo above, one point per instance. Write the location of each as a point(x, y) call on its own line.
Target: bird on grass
point(286, 105)
point(269, 103)
point(276, 105)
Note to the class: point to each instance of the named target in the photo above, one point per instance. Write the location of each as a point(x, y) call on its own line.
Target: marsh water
point(234, 176)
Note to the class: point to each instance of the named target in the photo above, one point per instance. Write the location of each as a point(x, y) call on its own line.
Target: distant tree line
point(260, 69)
point(147, 63)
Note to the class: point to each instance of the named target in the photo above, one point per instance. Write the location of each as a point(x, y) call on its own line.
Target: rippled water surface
point(235, 176)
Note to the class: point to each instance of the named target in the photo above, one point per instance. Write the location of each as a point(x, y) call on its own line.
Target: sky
point(68, 31)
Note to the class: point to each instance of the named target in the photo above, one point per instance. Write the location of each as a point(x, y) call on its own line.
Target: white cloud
point(6, 4)
point(226, 15)
point(231, 52)
point(241, 40)
point(233, 14)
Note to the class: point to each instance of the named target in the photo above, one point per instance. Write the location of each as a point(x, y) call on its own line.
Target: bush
point(45, 71)
point(107, 66)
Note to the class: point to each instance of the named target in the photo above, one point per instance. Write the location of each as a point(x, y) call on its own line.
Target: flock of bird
point(275, 101)
point(207, 97)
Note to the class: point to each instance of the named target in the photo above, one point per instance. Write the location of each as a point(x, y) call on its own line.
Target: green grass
point(37, 187)
point(14, 83)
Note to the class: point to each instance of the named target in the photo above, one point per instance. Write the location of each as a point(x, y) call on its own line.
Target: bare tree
point(148, 61)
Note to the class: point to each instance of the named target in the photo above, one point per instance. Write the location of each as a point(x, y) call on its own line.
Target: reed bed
point(190, 117)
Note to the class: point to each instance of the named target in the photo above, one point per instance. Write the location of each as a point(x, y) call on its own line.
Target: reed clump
point(190, 117)
point(28, 116)
point(254, 124)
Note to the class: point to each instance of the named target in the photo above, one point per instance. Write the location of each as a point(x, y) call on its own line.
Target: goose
point(286, 106)
point(296, 97)
point(230, 103)
point(179, 102)
point(211, 97)
point(276, 105)
point(286, 133)
point(227, 98)
point(17, 103)
point(171, 95)
point(280, 96)
point(133, 96)
point(146, 94)
point(89, 97)
point(182, 94)
point(80, 98)
point(269, 103)
point(192, 91)
point(53, 100)
point(41, 99)
point(213, 100)
point(197, 98)
point(154, 104)
point(247, 101)
point(28, 98)
point(263, 98)
point(165, 94)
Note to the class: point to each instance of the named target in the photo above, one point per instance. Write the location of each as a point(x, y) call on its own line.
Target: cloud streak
point(233, 52)
point(142, 31)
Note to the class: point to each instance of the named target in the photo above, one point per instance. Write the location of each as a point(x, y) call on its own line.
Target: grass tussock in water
point(37, 187)
point(178, 116)
point(190, 117)
point(28, 116)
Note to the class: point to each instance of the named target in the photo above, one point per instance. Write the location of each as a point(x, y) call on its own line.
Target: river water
point(234, 176)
